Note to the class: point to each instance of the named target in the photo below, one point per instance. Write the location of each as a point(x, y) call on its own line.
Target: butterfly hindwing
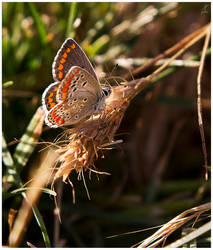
point(49, 96)
point(72, 111)
point(77, 81)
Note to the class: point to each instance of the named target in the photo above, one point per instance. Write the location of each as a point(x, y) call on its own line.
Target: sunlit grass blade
point(70, 32)
point(44, 190)
point(41, 29)
point(11, 175)
point(28, 141)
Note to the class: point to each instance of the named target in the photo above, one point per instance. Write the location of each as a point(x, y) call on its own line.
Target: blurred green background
point(157, 172)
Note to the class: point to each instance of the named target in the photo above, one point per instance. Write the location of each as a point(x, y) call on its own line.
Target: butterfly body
point(77, 93)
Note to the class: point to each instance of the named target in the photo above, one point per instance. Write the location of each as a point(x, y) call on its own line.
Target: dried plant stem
point(199, 104)
point(186, 46)
point(31, 197)
point(59, 190)
point(193, 235)
point(175, 223)
point(168, 52)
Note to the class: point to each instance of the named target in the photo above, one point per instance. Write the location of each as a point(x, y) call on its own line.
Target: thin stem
point(199, 105)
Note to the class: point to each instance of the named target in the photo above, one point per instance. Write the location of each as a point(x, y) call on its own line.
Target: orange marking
point(71, 77)
point(64, 95)
point(57, 119)
point(60, 67)
point(68, 50)
point(53, 114)
point(52, 105)
point(73, 46)
point(61, 121)
point(51, 94)
point(67, 84)
point(60, 74)
point(50, 99)
point(55, 89)
point(62, 60)
point(65, 55)
point(64, 90)
point(59, 106)
point(77, 71)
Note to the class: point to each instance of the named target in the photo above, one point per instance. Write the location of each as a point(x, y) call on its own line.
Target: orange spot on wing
point(53, 114)
point(50, 99)
point(71, 77)
point(64, 95)
point(51, 94)
point(61, 121)
point(62, 60)
point(52, 105)
point(67, 84)
point(65, 55)
point(68, 50)
point(57, 119)
point(60, 74)
point(64, 89)
point(76, 71)
point(55, 89)
point(73, 46)
point(60, 67)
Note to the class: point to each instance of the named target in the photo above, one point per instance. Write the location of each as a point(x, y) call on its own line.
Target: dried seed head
point(86, 139)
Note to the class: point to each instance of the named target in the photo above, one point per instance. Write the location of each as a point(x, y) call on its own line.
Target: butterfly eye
point(84, 83)
point(106, 92)
point(76, 116)
point(85, 100)
point(75, 100)
point(82, 75)
point(74, 89)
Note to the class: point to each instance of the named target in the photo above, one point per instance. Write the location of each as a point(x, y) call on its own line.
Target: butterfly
point(76, 93)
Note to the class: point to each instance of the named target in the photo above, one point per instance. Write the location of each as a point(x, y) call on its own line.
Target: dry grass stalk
point(162, 234)
point(33, 193)
point(170, 51)
point(199, 106)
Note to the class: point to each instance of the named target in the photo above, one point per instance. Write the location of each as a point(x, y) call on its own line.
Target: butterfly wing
point(49, 96)
point(70, 54)
point(72, 111)
point(79, 82)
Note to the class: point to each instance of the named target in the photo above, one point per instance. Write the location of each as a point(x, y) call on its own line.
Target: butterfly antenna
point(113, 69)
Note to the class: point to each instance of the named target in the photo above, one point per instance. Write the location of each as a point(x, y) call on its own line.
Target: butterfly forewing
point(70, 54)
